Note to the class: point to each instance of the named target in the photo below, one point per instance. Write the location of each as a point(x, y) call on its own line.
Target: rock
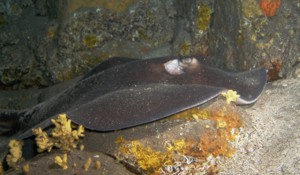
point(45, 164)
point(270, 141)
point(46, 42)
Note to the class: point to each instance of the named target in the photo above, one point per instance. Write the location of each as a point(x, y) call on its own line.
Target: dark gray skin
point(120, 93)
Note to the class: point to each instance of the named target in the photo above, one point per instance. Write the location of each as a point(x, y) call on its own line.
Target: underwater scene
point(149, 87)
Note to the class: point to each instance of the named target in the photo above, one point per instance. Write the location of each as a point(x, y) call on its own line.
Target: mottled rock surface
point(44, 164)
point(48, 41)
point(270, 141)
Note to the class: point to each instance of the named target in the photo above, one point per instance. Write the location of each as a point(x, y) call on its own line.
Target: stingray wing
point(140, 104)
point(249, 85)
point(107, 64)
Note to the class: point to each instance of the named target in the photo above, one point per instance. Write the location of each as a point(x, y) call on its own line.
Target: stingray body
point(122, 92)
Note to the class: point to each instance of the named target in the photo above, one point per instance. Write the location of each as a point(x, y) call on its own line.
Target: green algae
point(203, 17)
point(90, 41)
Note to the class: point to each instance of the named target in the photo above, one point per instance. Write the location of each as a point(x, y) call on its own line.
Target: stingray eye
point(185, 62)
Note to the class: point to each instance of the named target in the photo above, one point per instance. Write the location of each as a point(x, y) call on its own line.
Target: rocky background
point(46, 42)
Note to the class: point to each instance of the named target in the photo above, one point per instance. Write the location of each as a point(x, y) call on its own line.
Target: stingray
point(123, 92)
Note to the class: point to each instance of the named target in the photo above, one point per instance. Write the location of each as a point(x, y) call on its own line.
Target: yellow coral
point(78, 133)
point(231, 96)
point(15, 153)
point(63, 136)
point(26, 169)
point(81, 147)
point(62, 161)
point(98, 165)
point(42, 140)
point(62, 126)
point(87, 164)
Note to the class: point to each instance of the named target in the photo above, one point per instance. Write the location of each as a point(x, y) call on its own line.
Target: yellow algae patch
point(120, 139)
point(173, 161)
point(63, 136)
point(90, 41)
point(221, 124)
point(193, 113)
point(216, 142)
point(189, 155)
point(15, 153)
point(62, 161)
point(231, 96)
point(204, 17)
point(210, 143)
point(185, 48)
point(251, 9)
point(146, 158)
point(226, 120)
point(52, 31)
point(232, 123)
point(176, 146)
